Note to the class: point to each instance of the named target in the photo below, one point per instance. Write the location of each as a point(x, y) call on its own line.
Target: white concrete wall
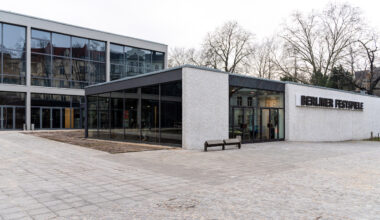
point(325, 124)
point(204, 107)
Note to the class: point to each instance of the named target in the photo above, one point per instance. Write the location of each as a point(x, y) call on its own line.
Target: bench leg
point(239, 145)
point(223, 147)
point(205, 147)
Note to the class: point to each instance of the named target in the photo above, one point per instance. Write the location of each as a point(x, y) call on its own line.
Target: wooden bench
point(233, 141)
point(214, 143)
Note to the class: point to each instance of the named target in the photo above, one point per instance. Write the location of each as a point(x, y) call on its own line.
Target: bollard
point(371, 135)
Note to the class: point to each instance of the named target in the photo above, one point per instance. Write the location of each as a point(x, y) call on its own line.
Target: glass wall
point(12, 110)
point(130, 61)
point(12, 54)
point(148, 114)
point(64, 61)
point(51, 111)
point(256, 115)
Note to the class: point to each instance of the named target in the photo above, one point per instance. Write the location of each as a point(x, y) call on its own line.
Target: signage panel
point(313, 101)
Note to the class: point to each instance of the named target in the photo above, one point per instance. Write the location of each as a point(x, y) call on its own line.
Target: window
point(79, 47)
point(129, 61)
point(12, 53)
point(239, 101)
point(115, 115)
point(249, 101)
point(64, 61)
point(61, 45)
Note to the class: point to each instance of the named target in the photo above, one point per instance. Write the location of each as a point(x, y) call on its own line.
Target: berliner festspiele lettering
point(330, 103)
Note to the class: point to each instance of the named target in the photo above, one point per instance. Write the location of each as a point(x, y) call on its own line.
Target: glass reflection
point(13, 37)
point(79, 47)
point(61, 45)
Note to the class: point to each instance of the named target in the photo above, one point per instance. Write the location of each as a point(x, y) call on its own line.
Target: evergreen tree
point(341, 79)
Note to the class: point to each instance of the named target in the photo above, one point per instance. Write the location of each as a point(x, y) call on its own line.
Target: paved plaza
point(44, 179)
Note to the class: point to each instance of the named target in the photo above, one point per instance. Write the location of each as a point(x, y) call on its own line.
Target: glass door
point(8, 117)
point(244, 124)
point(56, 118)
point(46, 118)
point(269, 124)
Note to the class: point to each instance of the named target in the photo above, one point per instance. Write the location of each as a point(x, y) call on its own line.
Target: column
point(108, 62)
point(28, 108)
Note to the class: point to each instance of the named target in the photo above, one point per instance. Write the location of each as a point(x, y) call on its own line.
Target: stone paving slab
point(44, 179)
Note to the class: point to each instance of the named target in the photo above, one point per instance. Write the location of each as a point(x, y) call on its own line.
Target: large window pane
point(43, 35)
point(61, 72)
point(131, 126)
point(149, 120)
point(117, 131)
point(41, 70)
point(35, 118)
point(61, 45)
point(79, 47)
point(40, 46)
point(13, 37)
point(151, 90)
point(171, 122)
point(97, 50)
point(79, 73)
point(117, 54)
point(131, 60)
point(158, 61)
point(117, 71)
point(141, 60)
point(96, 72)
point(172, 89)
point(103, 111)
point(147, 63)
point(92, 116)
point(12, 98)
point(14, 68)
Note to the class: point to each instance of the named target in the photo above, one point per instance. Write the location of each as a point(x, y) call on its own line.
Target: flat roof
point(76, 26)
point(223, 72)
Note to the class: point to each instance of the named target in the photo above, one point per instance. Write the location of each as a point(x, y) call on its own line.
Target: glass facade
point(130, 61)
point(13, 54)
point(12, 110)
point(256, 115)
point(66, 61)
point(51, 111)
point(148, 114)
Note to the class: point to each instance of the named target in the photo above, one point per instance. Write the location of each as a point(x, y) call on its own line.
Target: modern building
point(45, 65)
point(188, 105)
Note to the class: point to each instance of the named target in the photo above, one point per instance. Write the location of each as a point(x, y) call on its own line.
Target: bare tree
point(261, 62)
point(321, 40)
point(179, 56)
point(228, 47)
point(370, 73)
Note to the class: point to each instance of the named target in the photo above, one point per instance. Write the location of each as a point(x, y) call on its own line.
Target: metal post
point(85, 118)
point(108, 62)
point(139, 112)
point(159, 113)
point(14, 117)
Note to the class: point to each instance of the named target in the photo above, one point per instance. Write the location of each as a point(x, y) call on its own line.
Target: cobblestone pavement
point(43, 179)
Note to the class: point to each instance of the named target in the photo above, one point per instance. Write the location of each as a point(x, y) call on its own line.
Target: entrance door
point(56, 117)
point(269, 124)
point(243, 123)
point(46, 118)
point(8, 115)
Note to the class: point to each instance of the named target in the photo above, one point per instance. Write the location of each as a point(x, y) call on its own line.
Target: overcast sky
point(181, 23)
